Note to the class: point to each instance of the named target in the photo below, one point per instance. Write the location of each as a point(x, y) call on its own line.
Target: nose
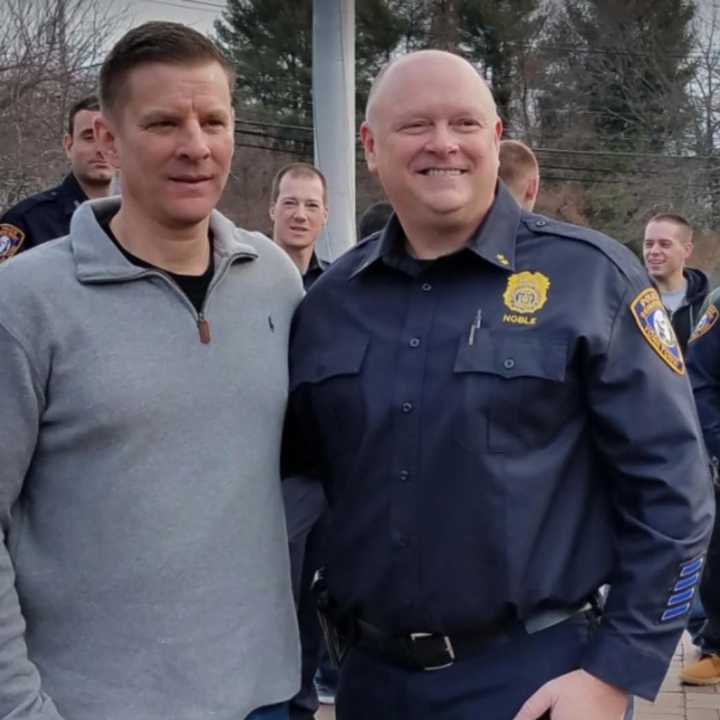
point(442, 140)
point(194, 145)
point(300, 212)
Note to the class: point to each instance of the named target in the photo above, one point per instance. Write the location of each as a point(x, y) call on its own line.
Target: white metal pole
point(334, 118)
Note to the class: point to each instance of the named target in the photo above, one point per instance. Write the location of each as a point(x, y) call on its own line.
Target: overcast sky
point(199, 14)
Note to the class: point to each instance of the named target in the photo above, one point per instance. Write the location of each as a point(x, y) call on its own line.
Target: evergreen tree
point(622, 67)
point(499, 36)
point(270, 44)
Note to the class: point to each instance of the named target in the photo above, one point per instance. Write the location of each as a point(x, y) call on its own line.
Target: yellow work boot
point(702, 672)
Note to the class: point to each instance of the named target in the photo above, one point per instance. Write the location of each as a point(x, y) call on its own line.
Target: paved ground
point(675, 702)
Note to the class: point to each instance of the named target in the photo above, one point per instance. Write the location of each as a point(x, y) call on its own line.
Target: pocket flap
point(344, 357)
point(511, 357)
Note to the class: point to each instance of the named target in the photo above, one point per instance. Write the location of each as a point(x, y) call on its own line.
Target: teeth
point(443, 171)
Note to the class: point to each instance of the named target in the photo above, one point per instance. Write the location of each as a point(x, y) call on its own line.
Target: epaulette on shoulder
point(26, 205)
point(618, 253)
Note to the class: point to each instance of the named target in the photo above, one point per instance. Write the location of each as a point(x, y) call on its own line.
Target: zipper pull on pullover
point(203, 330)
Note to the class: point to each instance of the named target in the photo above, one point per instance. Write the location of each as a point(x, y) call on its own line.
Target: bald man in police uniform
point(492, 433)
point(46, 215)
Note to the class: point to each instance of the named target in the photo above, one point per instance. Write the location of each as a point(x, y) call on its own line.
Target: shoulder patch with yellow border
point(705, 324)
point(654, 324)
point(11, 238)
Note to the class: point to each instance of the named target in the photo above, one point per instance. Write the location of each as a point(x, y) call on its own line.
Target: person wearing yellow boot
point(704, 371)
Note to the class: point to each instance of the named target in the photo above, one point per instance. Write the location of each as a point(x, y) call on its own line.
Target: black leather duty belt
point(432, 651)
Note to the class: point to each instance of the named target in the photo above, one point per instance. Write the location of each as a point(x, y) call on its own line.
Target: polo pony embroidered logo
point(526, 293)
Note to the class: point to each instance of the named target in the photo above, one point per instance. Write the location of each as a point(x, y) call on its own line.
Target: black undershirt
point(193, 286)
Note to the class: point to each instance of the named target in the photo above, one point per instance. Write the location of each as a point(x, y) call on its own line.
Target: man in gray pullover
point(143, 554)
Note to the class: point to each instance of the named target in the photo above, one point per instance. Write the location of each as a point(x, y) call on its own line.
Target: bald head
point(431, 135)
point(416, 64)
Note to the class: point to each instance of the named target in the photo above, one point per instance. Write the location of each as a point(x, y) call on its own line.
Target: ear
point(107, 140)
point(271, 212)
point(531, 191)
point(325, 215)
point(67, 144)
point(368, 142)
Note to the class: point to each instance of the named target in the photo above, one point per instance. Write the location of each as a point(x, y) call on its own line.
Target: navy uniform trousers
point(493, 685)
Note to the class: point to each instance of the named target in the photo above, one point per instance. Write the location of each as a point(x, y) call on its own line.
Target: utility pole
point(333, 75)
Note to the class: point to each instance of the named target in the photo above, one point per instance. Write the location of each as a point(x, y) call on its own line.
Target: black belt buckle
point(432, 652)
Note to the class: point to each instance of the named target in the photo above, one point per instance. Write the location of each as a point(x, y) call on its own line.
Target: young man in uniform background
point(667, 246)
point(46, 215)
point(299, 212)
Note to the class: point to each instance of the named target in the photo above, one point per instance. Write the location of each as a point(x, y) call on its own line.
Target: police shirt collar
point(98, 259)
point(494, 239)
point(72, 193)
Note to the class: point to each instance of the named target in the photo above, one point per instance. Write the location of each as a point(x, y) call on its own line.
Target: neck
point(94, 191)
point(427, 243)
point(300, 256)
point(671, 284)
point(184, 251)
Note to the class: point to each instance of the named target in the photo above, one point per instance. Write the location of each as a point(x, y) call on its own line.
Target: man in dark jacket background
point(46, 215)
point(667, 246)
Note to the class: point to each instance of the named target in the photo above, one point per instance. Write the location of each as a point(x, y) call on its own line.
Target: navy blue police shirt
point(500, 431)
point(39, 218)
point(703, 359)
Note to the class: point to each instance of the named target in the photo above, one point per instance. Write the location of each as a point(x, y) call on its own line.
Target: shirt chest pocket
point(332, 379)
point(516, 392)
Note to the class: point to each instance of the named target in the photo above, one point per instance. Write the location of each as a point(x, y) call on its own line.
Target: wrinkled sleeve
point(22, 400)
point(646, 431)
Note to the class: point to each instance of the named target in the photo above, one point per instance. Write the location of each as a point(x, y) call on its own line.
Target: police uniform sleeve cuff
point(612, 660)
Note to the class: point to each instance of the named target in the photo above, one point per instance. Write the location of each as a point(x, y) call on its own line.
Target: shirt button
point(407, 407)
point(509, 364)
point(427, 287)
point(541, 223)
point(404, 475)
point(414, 342)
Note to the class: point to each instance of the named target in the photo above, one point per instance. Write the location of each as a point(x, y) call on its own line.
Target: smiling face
point(432, 136)
point(666, 247)
point(299, 212)
point(172, 140)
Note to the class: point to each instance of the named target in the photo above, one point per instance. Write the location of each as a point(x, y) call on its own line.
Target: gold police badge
point(526, 292)
point(654, 324)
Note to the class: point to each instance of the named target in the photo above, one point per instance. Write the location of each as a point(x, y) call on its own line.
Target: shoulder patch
point(705, 324)
point(11, 238)
point(654, 324)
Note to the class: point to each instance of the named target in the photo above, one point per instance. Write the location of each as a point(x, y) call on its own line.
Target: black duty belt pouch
point(338, 628)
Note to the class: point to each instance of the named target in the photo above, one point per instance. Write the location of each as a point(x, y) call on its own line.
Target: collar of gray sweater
point(98, 260)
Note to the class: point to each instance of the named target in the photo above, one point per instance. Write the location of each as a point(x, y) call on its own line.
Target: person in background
point(667, 246)
point(374, 219)
point(144, 570)
point(46, 215)
point(299, 212)
point(520, 171)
